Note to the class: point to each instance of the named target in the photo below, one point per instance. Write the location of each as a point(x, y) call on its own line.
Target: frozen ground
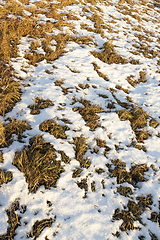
point(79, 213)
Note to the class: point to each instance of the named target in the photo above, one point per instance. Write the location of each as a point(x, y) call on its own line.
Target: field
point(79, 119)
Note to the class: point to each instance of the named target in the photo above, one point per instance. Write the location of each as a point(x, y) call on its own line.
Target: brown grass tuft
point(135, 175)
point(40, 103)
point(13, 221)
point(38, 163)
point(80, 150)
point(138, 119)
point(38, 227)
point(51, 126)
point(109, 55)
point(89, 113)
point(13, 127)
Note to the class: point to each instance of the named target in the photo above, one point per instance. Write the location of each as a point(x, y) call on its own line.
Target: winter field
point(79, 124)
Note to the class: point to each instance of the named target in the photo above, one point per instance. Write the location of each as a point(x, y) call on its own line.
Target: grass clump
point(96, 68)
point(121, 88)
point(76, 173)
point(10, 91)
point(5, 177)
point(13, 127)
point(40, 103)
point(142, 79)
point(39, 226)
point(80, 150)
point(34, 57)
point(89, 113)
point(136, 174)
point(64, 157)
point(51, 126)
point(13, 221)
point(138, 119)
point(1, 157)
point(133, 213)
point(83, 185)
point(38, 163)
point(153, 123)
point(109, 55)
point(125, 191)
point(93, 186)
point(140, 147)
point(99, 170)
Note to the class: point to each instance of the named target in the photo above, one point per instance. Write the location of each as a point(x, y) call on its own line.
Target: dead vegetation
point(138, 119)
point(38, 163)
point(13, 221)
point(39, 226)
point(51, 126)
point(40, 103)
point(64, 157)
point(135, 175)
point(109, 55)
point(5, 177)
point(142, 79)
point(133, 213)
point(96, 68)
point(89, 113)
point(38, 160)
point(1, 157)
point(77, 172)
point(14, 127)
point(10, 91)
point(125, 191)
point(83, 185)
point(80, 150)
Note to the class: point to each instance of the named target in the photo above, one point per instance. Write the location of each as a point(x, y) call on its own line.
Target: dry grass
point(135, 175)
point(89, 113)
point(13, 221)
point(39, 165)
point(83, 185)
point(96, 68)
point(142, 79)
point(134, 212)
point(51, 126)
point(80, 150)
point(38, 227)
point(138, 119)
point(10, 91)
point(39, 103)
point(64, 157)
point(1, 157)
point(13, 127)
point(124, 191)
point(77, 172)
point(109, 55)
point(5, 177)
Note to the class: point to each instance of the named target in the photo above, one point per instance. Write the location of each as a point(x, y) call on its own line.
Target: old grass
point(89, 113)
point(38, 227)
point(51, 126)
point(10, 90)
point(135, 175)
point(81, 147)
point(13, 221)
point(38, 163)
point(14, 126)
point(109, 55)
point(132, 213)
point(40, 103)
point(138, 119)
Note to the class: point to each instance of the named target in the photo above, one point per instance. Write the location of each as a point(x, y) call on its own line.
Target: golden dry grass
point(38, 163)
